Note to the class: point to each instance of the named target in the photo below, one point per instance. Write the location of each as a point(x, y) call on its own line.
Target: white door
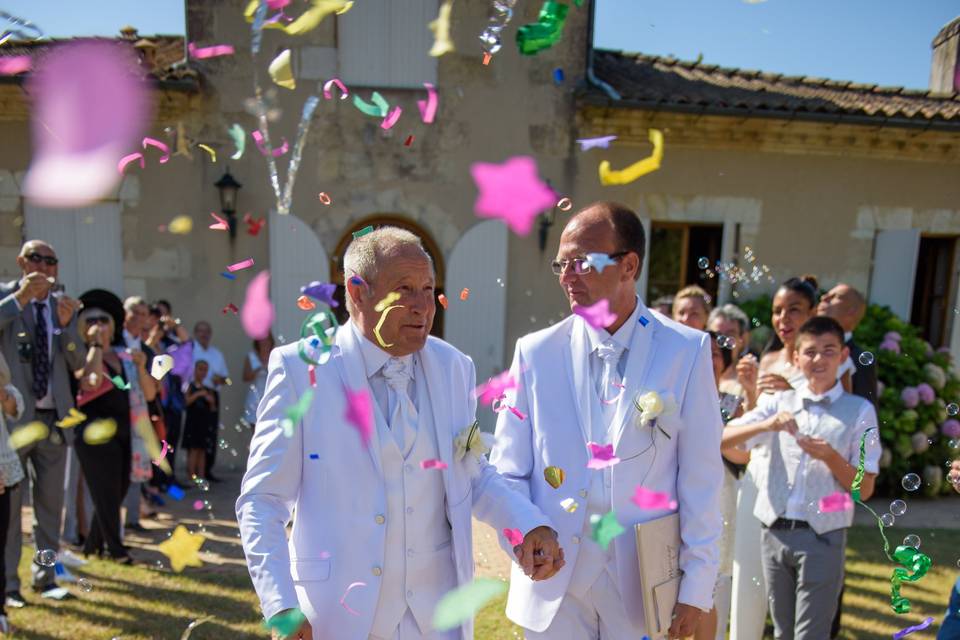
point(87, 241)
point(478, 327)
point(296, 258)
point(894, 269)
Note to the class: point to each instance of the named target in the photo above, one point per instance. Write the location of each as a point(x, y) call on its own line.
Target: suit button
point(409, 594)
point(380, 519)
point(408, 468)
point(576, 539)
point(377, 571)
point(583, 493)
point(409, 509)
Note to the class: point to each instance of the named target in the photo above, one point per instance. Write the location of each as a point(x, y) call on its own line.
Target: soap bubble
point(84, 585)
point(45, 557)
point(887, 519)
point(898, 507)
point(703, 263)
point(911, 482)
point(953, 409)
point(912, 540)
point(565, 204)
point(866, 358)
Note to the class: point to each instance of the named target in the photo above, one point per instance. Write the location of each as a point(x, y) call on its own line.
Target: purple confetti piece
point(917, 627)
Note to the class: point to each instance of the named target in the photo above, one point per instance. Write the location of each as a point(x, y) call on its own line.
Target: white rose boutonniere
point(650, 406)
point(472, 440)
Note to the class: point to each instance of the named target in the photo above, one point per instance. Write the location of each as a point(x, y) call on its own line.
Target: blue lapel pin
point(643, 321)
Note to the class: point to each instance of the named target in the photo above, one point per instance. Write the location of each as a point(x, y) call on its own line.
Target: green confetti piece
point(239, 137)
point(545, 32)
point(605, 528)
point(461, 604)
point(363, 232)
point(378, 109)
point(285, 623)
point(119, 383)
point(296, 411)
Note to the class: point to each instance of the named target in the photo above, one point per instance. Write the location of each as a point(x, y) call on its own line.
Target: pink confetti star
point(597, 315)
point(513, 536)
point(512, 191)
point(601, 456)
point(495, 388)
point(646, 499)
point(360, 413)
point(839, 501)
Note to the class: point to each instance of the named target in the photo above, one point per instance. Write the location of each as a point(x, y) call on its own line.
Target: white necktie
point(403, 415)
point(610, 384)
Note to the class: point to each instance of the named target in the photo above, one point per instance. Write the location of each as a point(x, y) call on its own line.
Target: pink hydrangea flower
point(892, 335)
point(951, 428)
point(910, 397)
point(927, 394)
point(890, 345)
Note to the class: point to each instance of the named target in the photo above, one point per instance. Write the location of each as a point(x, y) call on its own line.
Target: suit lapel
point(642, 353)
point(577, 358)
point(439, 393)
point(349, 361)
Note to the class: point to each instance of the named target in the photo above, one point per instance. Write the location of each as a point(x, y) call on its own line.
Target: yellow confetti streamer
point(441, 31)
point(392, 297)
point(100, 431)
point(72, 419)
point(213, 154)
point(183, 549)
point(308, 20)
point(637, 169)
point(281, 71)
point(181, 225)
point(376, 329)
point(28, 434)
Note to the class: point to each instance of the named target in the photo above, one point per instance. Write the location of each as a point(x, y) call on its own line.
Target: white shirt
point(132, 341)
point(808, 421)
point(623, 337)
point(215, 361)
point(373, 360)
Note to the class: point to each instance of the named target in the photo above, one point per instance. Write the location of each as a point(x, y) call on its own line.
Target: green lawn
point(141, 603)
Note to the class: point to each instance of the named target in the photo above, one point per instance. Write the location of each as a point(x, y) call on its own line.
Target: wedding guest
point(740, 378)
point(691, 306)
point(11, 471)
point(201, 422)
point(663, 304)
point(847, 306)
point(217, 375)
point(255, 375)
point(169, 336)
point(950, 628)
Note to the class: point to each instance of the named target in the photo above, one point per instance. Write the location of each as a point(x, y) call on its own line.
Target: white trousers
point(600, 615)
point(409, 630)
point(749, 609)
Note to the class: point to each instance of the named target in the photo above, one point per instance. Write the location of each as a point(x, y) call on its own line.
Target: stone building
point(853, 182)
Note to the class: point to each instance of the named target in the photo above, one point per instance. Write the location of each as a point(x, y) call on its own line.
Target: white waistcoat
point(418, 562)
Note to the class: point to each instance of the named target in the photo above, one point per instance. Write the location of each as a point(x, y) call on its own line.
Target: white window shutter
point(296, 258)
point(894, 269)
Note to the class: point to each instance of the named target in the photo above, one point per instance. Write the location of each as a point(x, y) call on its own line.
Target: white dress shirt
point(217, 365)
point(133, 342)
point(373, 360)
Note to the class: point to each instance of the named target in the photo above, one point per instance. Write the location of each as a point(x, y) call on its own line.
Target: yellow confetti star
point(441, 31)
point(72, 419)
point(100, 431)
point(182, 548)
point(28, 434)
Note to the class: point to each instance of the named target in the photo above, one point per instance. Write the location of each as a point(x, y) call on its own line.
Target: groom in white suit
point(368, 515)
point(577, 384)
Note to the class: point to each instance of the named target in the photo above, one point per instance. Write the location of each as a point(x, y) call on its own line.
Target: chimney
point(129, 33)
point(945, 70)
point(147, 51)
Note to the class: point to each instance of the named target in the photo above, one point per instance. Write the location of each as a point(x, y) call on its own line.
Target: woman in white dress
point(255, 375)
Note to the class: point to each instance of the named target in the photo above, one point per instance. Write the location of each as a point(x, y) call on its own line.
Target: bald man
point(847, 306)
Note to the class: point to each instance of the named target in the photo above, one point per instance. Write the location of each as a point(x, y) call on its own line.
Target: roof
point(665, 83)
point(170, 54)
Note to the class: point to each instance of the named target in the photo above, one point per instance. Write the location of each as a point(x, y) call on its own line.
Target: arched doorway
point(383, 220)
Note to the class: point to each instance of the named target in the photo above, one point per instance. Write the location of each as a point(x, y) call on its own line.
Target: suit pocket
point(315, 570)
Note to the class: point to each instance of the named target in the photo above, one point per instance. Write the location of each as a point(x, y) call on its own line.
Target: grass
point(142, 602)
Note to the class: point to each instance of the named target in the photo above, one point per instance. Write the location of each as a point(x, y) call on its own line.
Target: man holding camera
point(39, 339)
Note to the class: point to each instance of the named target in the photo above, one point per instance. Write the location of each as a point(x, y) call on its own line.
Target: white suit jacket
point(336, 487)
point(555, 391)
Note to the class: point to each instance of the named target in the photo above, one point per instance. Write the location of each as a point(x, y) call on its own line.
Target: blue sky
point(881, 41)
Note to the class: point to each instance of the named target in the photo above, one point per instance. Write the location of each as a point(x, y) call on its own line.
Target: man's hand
point(954, 475)
point(784, 421)
point(771, 383)
point(139, 358)
point(66, 307)
point(685, 620)
point(303, 632)
point(540, 556)
point(34, 285)
point(817, 448)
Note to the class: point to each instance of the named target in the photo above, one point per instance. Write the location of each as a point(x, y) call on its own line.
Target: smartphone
point(58, 288)
point(729, 405)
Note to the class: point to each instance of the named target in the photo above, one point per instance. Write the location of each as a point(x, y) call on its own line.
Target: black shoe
point(15, 600)
point(139, 528)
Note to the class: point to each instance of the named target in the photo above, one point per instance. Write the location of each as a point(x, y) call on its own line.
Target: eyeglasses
point(580, 265)
point(98, 320)
point(36, 258)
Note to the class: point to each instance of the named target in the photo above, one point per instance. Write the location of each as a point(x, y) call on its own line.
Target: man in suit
point(847, 306)
point(577, 384)
point(387, 505)
point(38, 335)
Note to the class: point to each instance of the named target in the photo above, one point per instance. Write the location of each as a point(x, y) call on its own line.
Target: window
point(933, 285)
point(675, 250)
point(431, 247)
point(385, 43)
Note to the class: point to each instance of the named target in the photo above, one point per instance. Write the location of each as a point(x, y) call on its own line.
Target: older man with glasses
point(39, 339)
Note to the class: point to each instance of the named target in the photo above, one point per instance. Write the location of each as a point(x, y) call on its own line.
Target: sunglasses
point(36, 258)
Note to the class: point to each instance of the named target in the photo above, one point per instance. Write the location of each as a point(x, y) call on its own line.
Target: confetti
point(602, 142)
point(554, 476)
point(281, 72)
point(565, 204)
point(228, 276)
point(305, 303)
point(558, 76)
point(221, 224)
point(637, 169)
point(127, 159)
point(428, 107)
point(597, 315)
point(276, 153)
point(209, 150)
point(230, 307)
point(307, 21)
point(513, 536)
point(569, 504)
point(601, 456)
point(378, 109)
point(839, 501)
point(494, 388)
point(362, 232)
point(99, 431)
point(314, 456)
point(408, 141)
point(182, 548)
point(433, 464)
point(163, 452)
point(646, 499)
point(391, 118)
point(258, 313)
point(390, 298)
point(343, 598)
point(442, 43)
point(360, 413)
point(512, 192)
point(322, 292)
point(605, 528)
point(383, 317)
point(545, 32)
point(464, 293)
point(917, 627)
point(193, 625)
point(325, 199)
point(330, 84)
point(164, 149)
point(285, 624)
point(295, 412)
point(120, 383)
point(175, 492)
point(14, 64)
point(239, 266)
point(487, 56)
point(442, 299)
point(197, 505)
point(600, 261)
point(253, 224)
point(181, 225)
point(28, 434)
point(215, 51)
point(239, 137)
point(462, 603)
point(72, 419)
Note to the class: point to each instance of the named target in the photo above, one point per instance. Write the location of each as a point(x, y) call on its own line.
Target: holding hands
point(540, 555)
